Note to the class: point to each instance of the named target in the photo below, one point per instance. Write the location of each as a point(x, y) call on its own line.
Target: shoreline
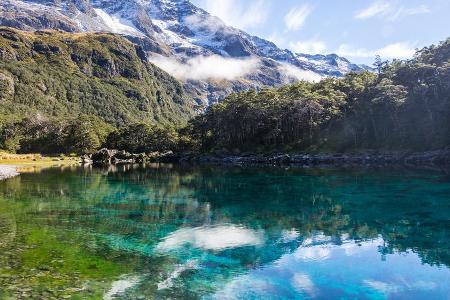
point(8, 171)
point(12, 165)
point(380, 159)
point(437, 158)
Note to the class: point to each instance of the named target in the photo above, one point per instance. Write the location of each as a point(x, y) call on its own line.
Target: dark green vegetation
point(142, 138)
point(189, 232)
point(74, 93)
point(64, 92)
point(406, 106)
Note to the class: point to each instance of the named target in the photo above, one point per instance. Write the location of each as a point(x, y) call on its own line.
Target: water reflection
point(331, 271)
point(181, 232)
point(214, 238)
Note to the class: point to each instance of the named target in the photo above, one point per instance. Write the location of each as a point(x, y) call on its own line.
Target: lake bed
point(183, 232)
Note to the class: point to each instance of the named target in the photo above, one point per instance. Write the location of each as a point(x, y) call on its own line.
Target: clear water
point(225, 233)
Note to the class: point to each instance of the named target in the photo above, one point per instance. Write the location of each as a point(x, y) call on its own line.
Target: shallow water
point(225, 233)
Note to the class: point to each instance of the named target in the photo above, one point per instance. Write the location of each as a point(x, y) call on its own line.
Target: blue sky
point(356, 29)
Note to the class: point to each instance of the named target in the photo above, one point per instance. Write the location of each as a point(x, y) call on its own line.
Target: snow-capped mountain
point(331, 64)
point(210, 57)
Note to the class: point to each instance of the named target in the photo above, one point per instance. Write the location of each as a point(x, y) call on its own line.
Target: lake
point(225, 233)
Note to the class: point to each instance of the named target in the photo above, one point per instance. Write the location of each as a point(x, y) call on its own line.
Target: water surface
point(225, 233)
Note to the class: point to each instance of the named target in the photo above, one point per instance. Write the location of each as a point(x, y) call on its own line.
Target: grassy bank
point(30, 163)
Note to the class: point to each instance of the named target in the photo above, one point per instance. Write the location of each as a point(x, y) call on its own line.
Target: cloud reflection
point(303, 283)
point(313, 253)
point(212, 238)
point(382, 287)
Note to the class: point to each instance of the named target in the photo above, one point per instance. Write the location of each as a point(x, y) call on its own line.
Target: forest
point(64, 93)
point(403, 105)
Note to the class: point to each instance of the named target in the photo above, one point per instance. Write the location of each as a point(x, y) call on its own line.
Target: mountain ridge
point(55, 74)
point(177, 34)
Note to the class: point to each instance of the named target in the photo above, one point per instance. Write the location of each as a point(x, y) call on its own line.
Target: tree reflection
point(229, 220)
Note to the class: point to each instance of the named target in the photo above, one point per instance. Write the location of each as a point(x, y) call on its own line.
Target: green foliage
point(406, 106)
point(140, 138)
point(86, 134)
point(272, 118)
point(66, 92)
point(45, 135)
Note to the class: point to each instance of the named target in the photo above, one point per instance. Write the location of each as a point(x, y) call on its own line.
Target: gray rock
point(438, 158)
point(103, 156)
point(86, 159)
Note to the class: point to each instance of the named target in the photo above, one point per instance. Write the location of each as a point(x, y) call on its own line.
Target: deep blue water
point(245, 233)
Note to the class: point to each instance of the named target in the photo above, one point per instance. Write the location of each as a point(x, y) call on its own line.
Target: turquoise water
point(225, 233)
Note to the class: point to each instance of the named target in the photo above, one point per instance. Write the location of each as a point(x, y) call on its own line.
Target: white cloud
point(396, 50)
point(402, 11)
point(421, 9)
point(210, 22)
point(309, 47)
point(390, 10)
point(207, 67)
point(296, 17)
point(376, 8)
point(299, 74)
point(234, 12)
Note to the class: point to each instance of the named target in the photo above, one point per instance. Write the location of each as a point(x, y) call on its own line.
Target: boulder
point(115, 157)
point(103, 156)
point(123, 155)
point(140, 158)
point(86, 159)
point(167, 157)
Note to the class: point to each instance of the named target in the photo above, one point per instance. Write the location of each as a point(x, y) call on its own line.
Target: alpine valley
point(183, 40)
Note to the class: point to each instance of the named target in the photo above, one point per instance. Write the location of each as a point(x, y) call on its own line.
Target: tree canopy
point(406, 106)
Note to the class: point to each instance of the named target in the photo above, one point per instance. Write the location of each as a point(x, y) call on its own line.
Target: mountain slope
point(211, 58)
point(405, 107)
point(60, 74)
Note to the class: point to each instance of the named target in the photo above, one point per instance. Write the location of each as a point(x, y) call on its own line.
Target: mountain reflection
point(231, 231)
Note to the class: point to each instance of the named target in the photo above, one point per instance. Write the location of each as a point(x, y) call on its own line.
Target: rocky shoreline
point(438, 158)
point(7, 171)
point(431, 158)
point(115, 157)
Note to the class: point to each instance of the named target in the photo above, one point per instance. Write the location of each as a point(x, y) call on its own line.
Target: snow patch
point(117, 25)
